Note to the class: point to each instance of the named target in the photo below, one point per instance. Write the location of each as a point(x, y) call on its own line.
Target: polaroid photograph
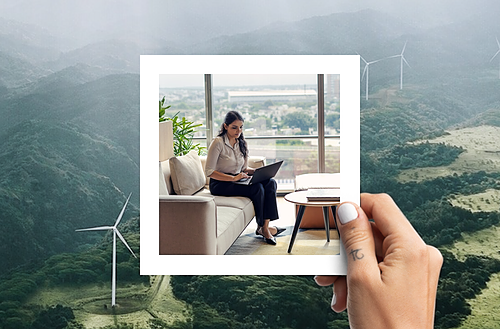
point(299, 119)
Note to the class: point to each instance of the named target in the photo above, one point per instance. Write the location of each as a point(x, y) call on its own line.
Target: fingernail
point(316, 279)
point(334, 300)
point(347, 212)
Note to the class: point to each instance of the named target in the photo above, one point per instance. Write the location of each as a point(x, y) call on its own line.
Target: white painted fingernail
point(347, 212)
point(334, 300)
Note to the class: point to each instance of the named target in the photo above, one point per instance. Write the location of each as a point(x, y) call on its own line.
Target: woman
point(227, 161)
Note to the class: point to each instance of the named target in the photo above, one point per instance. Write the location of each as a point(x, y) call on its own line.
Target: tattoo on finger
point(356, 254)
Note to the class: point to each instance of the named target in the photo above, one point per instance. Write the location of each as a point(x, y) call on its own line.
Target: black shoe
point(271, 241)
point(278, 231)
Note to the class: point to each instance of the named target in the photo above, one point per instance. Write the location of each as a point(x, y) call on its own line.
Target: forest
point(422, 155)
point(259, 302)
point(65, 270)
point(295, 302)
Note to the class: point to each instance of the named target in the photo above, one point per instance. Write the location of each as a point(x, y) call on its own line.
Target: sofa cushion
point(186, 173)
point(238, 202)
point(165, 167)
point(230, 224)
point(163, 185)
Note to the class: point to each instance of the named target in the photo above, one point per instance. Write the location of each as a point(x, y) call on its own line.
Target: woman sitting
point(227, 161)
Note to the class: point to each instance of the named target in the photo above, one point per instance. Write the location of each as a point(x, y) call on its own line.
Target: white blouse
point(224, 158)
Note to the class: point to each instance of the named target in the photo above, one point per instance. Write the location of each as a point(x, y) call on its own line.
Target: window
point(185, 94)
point(286, 118)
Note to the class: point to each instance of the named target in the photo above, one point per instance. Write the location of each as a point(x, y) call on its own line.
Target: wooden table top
point(300, 198)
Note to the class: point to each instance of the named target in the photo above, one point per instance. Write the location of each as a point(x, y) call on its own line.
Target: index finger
point(386, 214)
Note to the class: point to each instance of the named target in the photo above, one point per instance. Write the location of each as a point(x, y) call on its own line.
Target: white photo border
point(151, 67)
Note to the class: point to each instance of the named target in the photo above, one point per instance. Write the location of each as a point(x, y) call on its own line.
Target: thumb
point(356, 234)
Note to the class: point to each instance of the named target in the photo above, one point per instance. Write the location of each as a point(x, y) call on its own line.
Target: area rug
point(307, 242)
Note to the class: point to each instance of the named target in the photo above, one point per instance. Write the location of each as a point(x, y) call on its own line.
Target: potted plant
point(183, 131)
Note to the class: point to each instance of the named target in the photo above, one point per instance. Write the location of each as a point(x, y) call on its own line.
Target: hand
point(392, 275)
point(249, 171)
point(241, 175)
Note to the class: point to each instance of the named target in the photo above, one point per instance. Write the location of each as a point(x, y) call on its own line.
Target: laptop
point(261, 174)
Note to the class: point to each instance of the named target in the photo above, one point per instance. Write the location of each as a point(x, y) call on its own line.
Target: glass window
point(280, 111)
point(274, 106)
point(332, 123)
point(271, 104)
point(186, 96)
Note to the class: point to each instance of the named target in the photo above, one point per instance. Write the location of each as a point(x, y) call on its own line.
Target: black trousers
point(263, 196)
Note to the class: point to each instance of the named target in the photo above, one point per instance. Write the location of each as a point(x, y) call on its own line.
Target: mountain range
point(69, 156)
point(69, 133)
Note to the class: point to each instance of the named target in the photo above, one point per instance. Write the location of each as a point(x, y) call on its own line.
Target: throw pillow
point(187, 174)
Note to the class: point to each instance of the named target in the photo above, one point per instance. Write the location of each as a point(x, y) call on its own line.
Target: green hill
point(67, 161)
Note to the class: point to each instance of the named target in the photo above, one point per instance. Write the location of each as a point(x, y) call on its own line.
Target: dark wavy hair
point(232, 116)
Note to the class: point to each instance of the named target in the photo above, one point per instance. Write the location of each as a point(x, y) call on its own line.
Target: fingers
point(356, 234)
point(392, 275)
point(386, 214)
point(339, 298)
point(435, 263)
point(325, 280)
point(379, 241)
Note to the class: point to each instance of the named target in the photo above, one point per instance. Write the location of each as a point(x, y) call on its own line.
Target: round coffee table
point(300, 198)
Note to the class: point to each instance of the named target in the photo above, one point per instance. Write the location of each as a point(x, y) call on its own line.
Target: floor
point(286, 211)
point(308, 242)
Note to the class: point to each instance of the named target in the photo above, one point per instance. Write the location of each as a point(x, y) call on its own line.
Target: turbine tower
point(367, 71)
point(498, 51)
point(115, 233)
point(403, 59)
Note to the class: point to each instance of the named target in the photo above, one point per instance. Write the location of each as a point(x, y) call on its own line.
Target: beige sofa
point(191, 220)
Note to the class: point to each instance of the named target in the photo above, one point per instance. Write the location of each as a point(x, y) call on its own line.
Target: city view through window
point(281, 116)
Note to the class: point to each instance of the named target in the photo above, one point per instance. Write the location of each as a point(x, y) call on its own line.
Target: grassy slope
point(485, 313)
point(488, 200)
point(140, 303)
point(482, 147)
point(485, 306)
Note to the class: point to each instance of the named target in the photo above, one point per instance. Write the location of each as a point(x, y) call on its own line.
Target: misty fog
point(192, 21)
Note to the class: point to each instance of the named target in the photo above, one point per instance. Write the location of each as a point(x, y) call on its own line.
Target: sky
point(192, 21)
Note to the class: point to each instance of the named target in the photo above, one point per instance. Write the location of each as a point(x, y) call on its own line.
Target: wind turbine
point(498, 51)
point(403, 59)
point(115, 233)
point(367, 71)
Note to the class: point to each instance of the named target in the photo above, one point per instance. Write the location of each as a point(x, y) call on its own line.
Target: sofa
point(191, 220)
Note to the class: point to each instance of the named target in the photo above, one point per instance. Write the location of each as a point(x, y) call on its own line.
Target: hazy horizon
point(192, 21)
point(236, 80)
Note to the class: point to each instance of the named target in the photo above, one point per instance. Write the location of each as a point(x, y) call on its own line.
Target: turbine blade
point(495, 55)
point(121, 212)
point(375, 61)
point(362, 59)
point(394, 56)
point(124, 242)
point(498, 43)
point(404, 47)
point(364, 71)
point(404, 59)
point(100, 228)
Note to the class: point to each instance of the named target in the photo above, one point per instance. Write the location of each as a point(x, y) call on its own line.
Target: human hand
point(249, 171)
point(392, 275)
point(241, 175)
